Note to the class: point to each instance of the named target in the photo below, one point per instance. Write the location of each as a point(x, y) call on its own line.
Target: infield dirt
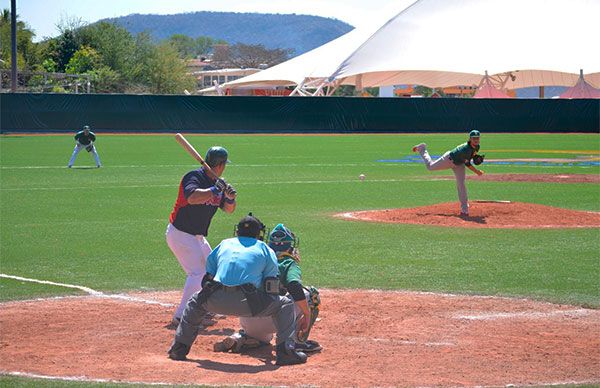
point(370, 338)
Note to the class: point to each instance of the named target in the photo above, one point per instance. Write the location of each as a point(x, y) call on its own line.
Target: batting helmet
point(216, 155)
point(282, 239)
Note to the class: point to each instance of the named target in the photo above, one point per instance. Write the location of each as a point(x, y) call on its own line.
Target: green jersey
point(84, 139)
point(289, 270)
point(463, 154)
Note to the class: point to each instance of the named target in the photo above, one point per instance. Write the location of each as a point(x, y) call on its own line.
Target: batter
point(199, 198)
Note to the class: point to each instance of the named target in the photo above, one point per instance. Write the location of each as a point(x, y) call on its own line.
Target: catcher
point(457, 159)
point(85, 139)
point(258, 331)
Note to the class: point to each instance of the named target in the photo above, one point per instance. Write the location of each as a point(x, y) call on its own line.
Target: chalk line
point(525, 314)
point(88, 290)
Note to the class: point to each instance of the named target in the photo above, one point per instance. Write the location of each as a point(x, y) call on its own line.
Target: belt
point(231, 288)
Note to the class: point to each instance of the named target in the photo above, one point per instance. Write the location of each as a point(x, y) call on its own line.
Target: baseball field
point(84, 233)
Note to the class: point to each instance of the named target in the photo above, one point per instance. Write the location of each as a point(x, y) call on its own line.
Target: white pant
point(191, 251)
point(445, 163)
point(79, 147)
point(262, 328)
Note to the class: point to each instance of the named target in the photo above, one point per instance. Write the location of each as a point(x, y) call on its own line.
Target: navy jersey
point(84, 139)
point(195, 219)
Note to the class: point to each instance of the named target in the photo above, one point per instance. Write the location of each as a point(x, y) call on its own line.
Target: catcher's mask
point(250, 226)
point(216, 155)
point(281, 239)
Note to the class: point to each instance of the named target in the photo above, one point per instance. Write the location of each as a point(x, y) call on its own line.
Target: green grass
point(104, 228)
point(24, 382)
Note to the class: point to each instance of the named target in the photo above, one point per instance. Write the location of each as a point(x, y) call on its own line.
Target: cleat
point(287, 355)
point(308, 346)
point(419, 147)
point(178, 351)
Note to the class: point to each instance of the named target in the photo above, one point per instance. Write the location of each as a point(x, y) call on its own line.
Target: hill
point(298, 32)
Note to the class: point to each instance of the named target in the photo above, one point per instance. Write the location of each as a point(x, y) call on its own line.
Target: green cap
point(216, 155)
point(86, 127)
point(474, 133)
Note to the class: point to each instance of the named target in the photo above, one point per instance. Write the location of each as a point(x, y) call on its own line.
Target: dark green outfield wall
point(60, 112)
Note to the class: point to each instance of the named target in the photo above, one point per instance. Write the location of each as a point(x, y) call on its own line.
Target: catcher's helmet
point(282, 239)
point(250, 226)
point(216, 155)
point(474, 133)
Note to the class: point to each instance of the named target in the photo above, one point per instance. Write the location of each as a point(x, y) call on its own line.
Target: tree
point(83, 60)
point(26, 53)
point(185, 46)
point(114, 44)
point(204, 44)
point(67, 44)
point(106, 80)
point(166, 72)
point(193, 48)
point(249, 56)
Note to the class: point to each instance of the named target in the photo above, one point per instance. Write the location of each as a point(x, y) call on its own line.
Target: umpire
point(241, 280)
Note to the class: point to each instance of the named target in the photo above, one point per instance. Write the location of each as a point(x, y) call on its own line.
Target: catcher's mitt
point(89, 147)
point(478, 159)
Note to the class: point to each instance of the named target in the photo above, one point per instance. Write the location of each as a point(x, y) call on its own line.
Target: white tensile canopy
point(315, 65)
point(582, 89)
point(440, 43)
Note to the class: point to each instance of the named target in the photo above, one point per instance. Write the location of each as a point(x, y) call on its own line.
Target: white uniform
point(262, 328)
point(78, 148)
point(83, 140)
point(187, 230)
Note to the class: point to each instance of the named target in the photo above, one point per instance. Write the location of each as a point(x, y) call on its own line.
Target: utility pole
point(13, 37)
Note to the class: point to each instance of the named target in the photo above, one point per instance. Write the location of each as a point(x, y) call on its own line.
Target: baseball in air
point(361, 177)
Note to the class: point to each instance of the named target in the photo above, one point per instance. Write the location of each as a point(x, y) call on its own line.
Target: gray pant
point(445, 163)
point(233, 302)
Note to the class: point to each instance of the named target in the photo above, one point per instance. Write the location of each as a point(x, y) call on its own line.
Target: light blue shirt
point(239, 260)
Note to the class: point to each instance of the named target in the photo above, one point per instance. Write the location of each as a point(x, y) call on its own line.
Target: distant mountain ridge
point(301, 33)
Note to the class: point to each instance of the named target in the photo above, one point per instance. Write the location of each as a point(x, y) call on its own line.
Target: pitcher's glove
point(89, 147)
point(478, 159)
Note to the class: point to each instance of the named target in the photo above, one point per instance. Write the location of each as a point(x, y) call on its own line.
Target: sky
point(43, 15)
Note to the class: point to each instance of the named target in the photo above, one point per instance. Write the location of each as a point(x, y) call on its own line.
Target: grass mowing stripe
point(300, 181)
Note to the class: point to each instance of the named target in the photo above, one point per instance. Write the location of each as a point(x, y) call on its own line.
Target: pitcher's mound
point(483, 214)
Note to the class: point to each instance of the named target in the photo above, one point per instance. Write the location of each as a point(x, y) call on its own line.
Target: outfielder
point(258, 331)
point(85, 139)
point(199, 198)
point(456, 159)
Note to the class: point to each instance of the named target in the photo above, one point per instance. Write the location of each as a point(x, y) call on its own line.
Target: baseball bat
point(192, 151)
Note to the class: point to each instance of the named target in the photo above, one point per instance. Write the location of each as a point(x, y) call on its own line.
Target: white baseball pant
point(262, 328)
point(78, 148)
point(191, 251)
point(444, 163)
